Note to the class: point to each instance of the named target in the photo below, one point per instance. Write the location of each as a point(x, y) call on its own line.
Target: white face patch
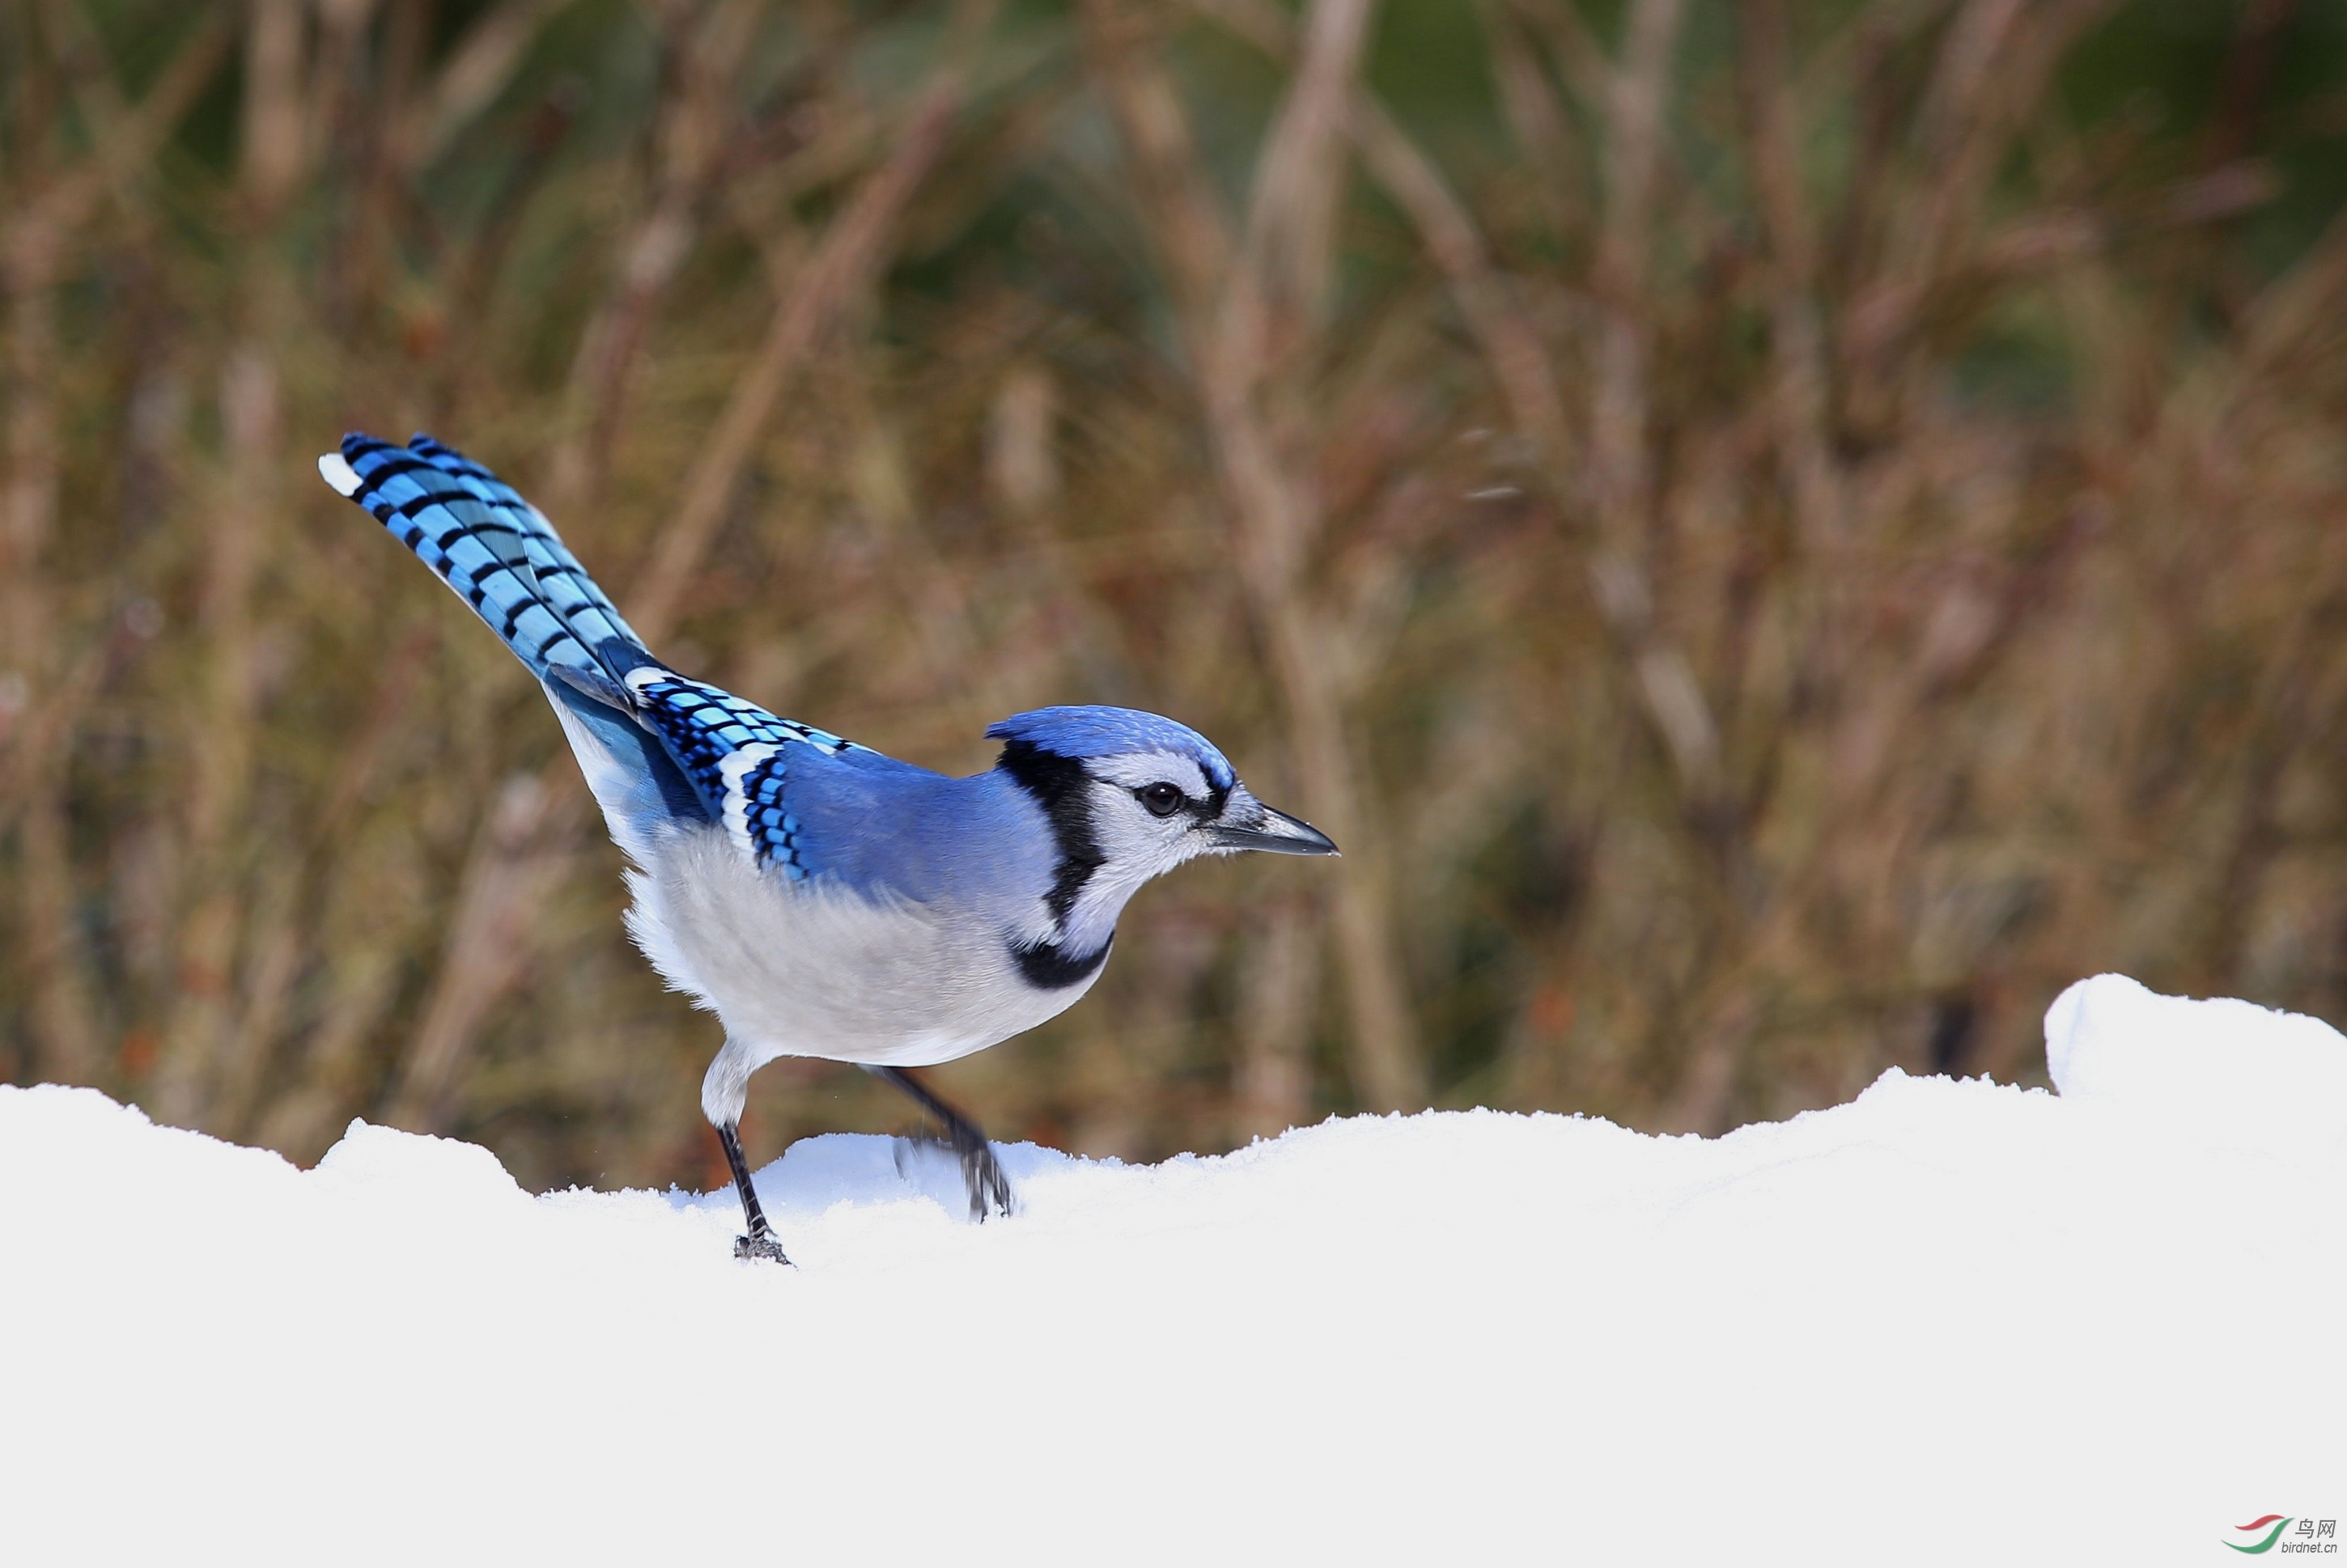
point(1134, 843)
point(1144, 768)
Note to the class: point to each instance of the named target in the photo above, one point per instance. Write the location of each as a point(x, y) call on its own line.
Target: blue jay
point(821, 898)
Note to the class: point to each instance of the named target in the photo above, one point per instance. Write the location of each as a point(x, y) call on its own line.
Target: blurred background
point(1777, 535)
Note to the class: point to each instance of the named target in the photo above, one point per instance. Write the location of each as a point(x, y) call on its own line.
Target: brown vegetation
point(1775, 536)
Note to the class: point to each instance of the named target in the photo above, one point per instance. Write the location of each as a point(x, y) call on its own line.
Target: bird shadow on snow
point(831, 1169)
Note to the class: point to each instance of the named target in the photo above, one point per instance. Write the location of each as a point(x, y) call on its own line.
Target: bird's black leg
point(989, 1189)
point(761, 1241)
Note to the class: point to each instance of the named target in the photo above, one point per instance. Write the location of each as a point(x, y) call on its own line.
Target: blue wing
point(740, 759)
point(801, 802)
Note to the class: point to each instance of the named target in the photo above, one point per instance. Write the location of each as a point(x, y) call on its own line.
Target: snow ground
point(1949, 1322)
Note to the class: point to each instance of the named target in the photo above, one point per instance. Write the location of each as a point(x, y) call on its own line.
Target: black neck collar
point(1062, 788)
point(1049, 966)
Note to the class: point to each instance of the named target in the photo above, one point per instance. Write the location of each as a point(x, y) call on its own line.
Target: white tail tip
point(339, 474)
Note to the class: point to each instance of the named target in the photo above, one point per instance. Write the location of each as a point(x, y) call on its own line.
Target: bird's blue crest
point(1081, 732)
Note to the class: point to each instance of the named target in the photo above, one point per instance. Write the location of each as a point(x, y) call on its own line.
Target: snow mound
point(1948, 1322)
point(2226, 1068)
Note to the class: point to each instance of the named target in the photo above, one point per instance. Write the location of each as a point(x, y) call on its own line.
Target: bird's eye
point(1161, 799)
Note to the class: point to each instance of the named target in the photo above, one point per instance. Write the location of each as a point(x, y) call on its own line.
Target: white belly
point(807, 969)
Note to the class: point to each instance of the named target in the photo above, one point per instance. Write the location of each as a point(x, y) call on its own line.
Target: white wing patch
point(736, 804)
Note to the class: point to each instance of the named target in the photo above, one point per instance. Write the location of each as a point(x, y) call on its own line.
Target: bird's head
point(1131, 796)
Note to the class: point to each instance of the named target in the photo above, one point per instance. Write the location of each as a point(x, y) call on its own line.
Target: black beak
point(1276, 833)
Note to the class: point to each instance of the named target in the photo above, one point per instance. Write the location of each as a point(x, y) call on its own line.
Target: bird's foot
point(989, 1187)
point(981, 1174)
point(760, 1245)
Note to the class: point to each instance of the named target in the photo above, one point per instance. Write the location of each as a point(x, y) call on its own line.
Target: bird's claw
point(988, 1184)
point(981, 1174)
point(760, 1246)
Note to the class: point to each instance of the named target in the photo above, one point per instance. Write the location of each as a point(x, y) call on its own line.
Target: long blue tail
point(505, 559)
point(496, 550)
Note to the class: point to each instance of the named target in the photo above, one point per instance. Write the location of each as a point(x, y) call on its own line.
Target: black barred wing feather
point(739, 758)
